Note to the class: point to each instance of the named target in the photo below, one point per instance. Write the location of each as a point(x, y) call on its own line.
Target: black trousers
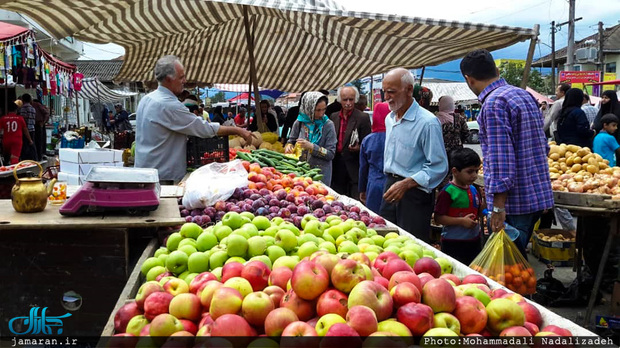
point(40, 140)
point(343, 182)
point(412, 213)
point(29, 152)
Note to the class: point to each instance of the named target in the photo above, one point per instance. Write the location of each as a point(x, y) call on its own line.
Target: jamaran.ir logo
point(37, 323)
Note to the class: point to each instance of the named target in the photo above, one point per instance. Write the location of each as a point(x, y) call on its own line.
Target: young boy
point(459, 206)
point(14, 127)
point(605, 144)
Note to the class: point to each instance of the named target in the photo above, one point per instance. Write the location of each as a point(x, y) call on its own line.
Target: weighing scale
point(115, 189)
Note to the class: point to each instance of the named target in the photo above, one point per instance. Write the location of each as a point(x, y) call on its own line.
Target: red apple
point(189, 326)
point(382, 281)
point(452, 277)
point(332, 301)
point(312, 322)
point(298, 329)
point(502, 314)
point(199, 282)
point(474, 279)
point(382, 259)
point(123, 340)
point(405, 277)
point(417, 317)
point(157, 303)
point(425, 278)
point(275, 293)
point(428, 265)
point(257, 273)
point(556, 330)
point(514, 297)
point(280, 276)
point(309, 280)
point(373, 295)
point(206, 294)
point(532, 328)
point(404, 293)
point(395, 265)
point(347, 274)
point(125, 313)
point(361, 258)
point(439, 295)
point(225, 301)
point(341, 330)
point(165, 325)
point(532, 314)
point(255, 308)
point(145, 330)
point(186, 306)
point(498, 293)
point(231, 325)
point(362, 319)
point(145, 290)
point(205, 320)
point(303, 309)
point(515, 331)
point(231, 270)
point(471, 313)
point(277, 320)
point(328, 261)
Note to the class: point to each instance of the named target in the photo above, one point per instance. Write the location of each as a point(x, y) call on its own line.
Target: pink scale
point(115, 189)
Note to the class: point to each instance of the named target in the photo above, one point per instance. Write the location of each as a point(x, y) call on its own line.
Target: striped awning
point(94, 90)
point(298, 45)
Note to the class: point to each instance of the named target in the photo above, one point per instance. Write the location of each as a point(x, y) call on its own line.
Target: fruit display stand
point(50, 259)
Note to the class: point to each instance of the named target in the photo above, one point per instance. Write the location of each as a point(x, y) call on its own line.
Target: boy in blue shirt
point(605, 144)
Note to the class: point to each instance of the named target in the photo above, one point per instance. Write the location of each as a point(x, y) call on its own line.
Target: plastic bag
point(501, 261)
point(214, 182)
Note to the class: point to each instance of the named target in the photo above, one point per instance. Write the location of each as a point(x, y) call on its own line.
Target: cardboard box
point(72, 179)
point(75, 168)
point(555, 252)
point(89, 155)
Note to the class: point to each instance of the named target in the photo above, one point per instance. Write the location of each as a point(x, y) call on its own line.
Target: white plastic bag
point(214, 182)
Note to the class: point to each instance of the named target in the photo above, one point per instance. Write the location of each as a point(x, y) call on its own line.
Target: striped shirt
point(514, 148)
point(29, 114)
point(590, 111)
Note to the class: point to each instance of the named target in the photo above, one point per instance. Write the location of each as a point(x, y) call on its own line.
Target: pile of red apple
point(329, 295)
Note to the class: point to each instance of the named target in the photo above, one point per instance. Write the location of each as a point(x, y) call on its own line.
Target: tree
point(513, 74)
point(218, 98)
point(357, 83)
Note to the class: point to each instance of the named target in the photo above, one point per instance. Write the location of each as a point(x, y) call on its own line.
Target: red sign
point(580, 76)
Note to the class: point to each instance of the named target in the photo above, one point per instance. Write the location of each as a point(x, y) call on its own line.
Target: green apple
point(343, 238)
point(429, 253)
point(326, 321)
point(248, 215)
point(269, 240)
point(275, 252)
point(150, 263)
point(370, 232)
point(446, 265)
point(235, 259)
point(378, 239)
point(366, 240)
point(165, 279)
point(409, 256)
point(348, 225)
point(217, 272)
point(236, 245)
point(163, 258)
point(188, 249)
point(328, 237)
point(240, 284)
point(374, 248)
point(360, 225)
point(335, 231)
point(256, 246)
point(286, 239)
point(329, 246)
point(172, 243)
point(313, 227)
point(417, 248)
point(177, 262)
point(190, 230)
point(448, 321)
point(306, 237)
point(270, 231)
point(391, 235)
point(286, 261)
point(395, 327)
point(277, 221)
point(335, 218)
point(440, 332)
point(319, 240)
point(187, 241)
point(264, 259)
point(183, 275)
point(289, 226)
point(222, 232)
point(161, 251)
point(307, 249)
point(206, 241)
point(261, 222)
point(136, 324)
point(479, 294)
point(393, 248)
point(198, 262)
point(154, 272)
point(210, 229)
point(348, 247)
point(250, 229)
point(372, 255)
point(217, 259)
point(325, 225)
point(189, 277)
point(241, 232)
point(352, 235)
point(234, 220)
point(306, 219)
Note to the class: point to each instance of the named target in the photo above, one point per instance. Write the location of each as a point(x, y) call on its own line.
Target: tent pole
point(77, 108)
point(250, 41)
point(530, 56)
point(422, 74)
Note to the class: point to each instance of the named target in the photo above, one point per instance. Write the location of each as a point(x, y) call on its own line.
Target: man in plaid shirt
point(28, 112)
point(514, 147)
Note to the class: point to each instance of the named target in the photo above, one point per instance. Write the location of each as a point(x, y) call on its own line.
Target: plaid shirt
point(344, 121)
point(29, 114)
point(514, 149)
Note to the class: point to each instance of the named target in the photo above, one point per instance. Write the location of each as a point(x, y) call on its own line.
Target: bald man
point(415, 160)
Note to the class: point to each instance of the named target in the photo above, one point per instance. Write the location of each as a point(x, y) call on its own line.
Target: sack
point(214, 182)
point(501, 261)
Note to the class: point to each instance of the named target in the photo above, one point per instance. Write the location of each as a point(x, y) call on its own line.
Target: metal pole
point(422, 75)
point(553, 83)
point(530, 56)
point(249, 36)
point(570, 48)
point(601, 39)
point(77, 108)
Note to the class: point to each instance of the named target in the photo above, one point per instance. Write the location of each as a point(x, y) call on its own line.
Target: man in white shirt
point(163, 124)
point(553, 114)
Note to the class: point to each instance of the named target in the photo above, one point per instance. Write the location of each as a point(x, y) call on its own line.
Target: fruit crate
point(72, 144)
point(550, 249)
point(201, 151)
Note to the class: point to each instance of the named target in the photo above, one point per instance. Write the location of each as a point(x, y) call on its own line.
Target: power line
point(101, 49)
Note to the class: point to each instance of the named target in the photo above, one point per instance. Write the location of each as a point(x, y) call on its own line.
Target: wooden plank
point(130, 290)
point(585, 200)
point(166, 215)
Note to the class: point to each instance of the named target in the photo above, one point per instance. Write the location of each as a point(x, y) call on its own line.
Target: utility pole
point(553, 31)
point(600, 47)
point(570, 49)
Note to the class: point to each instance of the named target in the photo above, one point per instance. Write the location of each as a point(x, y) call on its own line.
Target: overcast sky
point(523, 13)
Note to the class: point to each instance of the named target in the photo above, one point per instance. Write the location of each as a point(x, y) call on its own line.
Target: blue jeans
point(525, 224)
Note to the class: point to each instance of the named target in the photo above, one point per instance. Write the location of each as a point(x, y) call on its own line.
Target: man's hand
point(363, 197)
point(355, 148)
point(246, 135)
point(497, 221)
point(289, 148)
point(305, 144)
point(396, 192)
point(469, 221)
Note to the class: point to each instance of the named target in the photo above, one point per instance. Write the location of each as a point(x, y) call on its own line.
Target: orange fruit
point(522, 289)
point(517, 282)
point(516, 272)
point(531, 271)
point(531, 282)
point(508, 277)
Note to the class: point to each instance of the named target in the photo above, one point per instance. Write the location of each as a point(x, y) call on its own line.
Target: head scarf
point(446, 110)
point(423, 95)
point(572, 100)
point(378, 117)
point(612, 106)
point(306, 115)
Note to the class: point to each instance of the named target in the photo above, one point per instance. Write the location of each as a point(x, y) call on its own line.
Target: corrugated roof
point(105, 70)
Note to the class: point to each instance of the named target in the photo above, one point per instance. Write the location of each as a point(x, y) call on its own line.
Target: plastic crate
point(201, 151)
point(73, 144)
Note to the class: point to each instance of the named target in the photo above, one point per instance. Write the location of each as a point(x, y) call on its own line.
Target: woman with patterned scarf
point(315, 133)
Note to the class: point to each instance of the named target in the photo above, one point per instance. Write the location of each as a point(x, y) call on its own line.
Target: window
point(610, 67)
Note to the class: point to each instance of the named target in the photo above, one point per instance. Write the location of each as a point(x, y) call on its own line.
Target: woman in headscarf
point(315, 133)
point(371, 176)
point(573, 125)
point(609, 105)
point(453, 125)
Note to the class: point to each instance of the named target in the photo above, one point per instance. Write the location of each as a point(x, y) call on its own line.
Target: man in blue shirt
point(415, 160)
point(605, 144)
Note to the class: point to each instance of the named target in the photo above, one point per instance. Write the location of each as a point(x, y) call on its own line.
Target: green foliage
point(513, 74)
point(359, 85)
point(218, 97)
